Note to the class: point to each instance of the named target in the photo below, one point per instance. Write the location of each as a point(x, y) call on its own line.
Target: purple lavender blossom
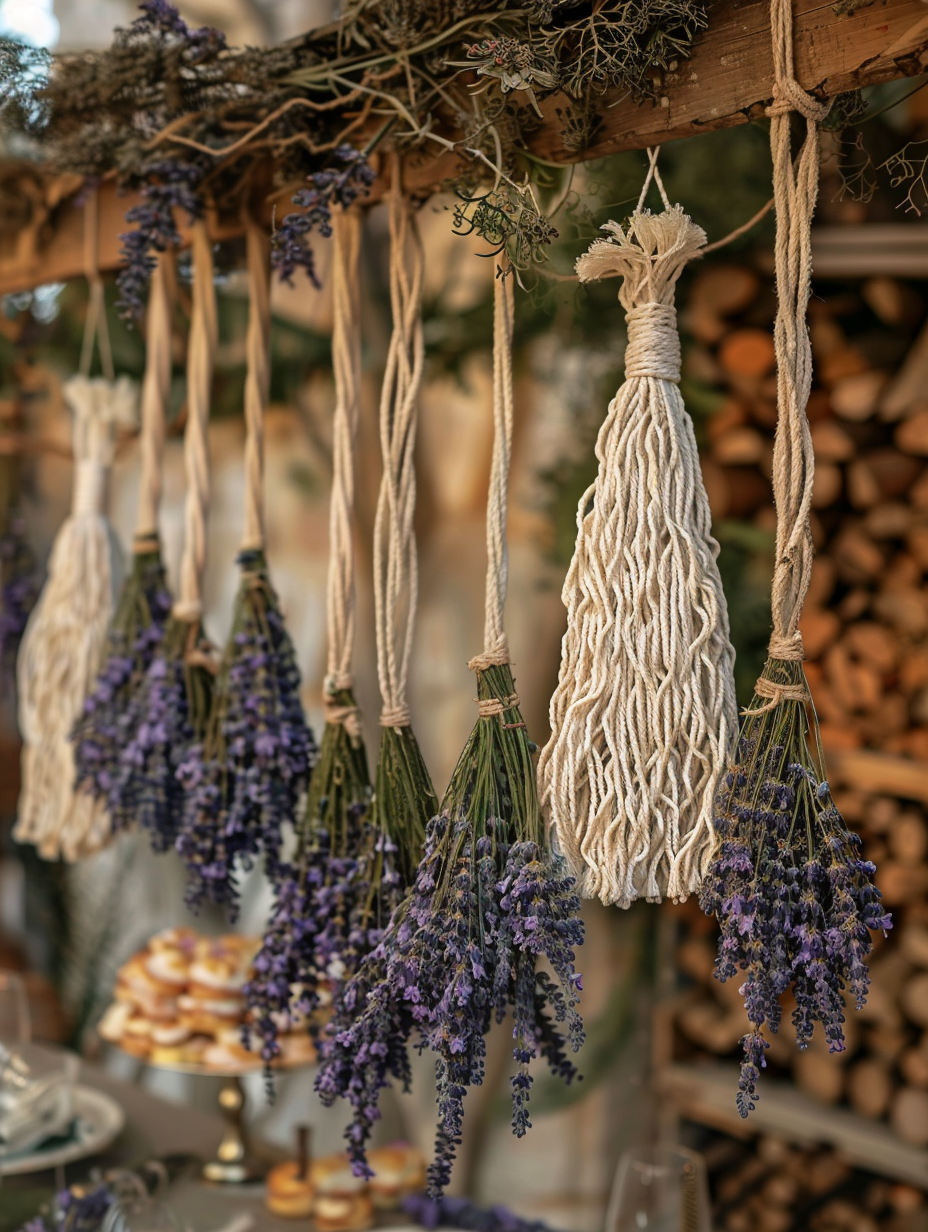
point(106, 726)
point(331, 186)
point(168, 716)
point(456, 1212)
point(795, 902)
point(244, 784)
point(19, 590)
point(74, 1211)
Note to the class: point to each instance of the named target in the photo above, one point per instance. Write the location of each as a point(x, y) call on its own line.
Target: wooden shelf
point(706, 1094)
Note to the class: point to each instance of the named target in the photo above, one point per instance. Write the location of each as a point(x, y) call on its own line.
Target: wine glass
point(660, 1189)
point(15, 1022)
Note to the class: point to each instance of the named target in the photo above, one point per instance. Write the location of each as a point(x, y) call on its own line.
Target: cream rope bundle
point(156, 390)
point(404, 797)
point(65, 638)
point(644, 712)
point(395, 565)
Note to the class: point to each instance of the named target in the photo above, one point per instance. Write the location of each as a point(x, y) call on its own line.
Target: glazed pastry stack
point(338, 1200)
point(180, 1002)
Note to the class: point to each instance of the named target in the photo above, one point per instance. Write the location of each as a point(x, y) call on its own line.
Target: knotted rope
point(257, 381)
point(795, 189)
point(64, 641)
point(495, 645)
point(346, 367)
point(156, 390)
point(201, 353)
point(395, 562)
point(644, 710)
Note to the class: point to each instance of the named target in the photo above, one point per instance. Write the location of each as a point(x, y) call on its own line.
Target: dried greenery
point(455, 75)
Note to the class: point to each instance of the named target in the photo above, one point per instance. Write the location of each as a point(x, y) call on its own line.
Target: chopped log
point(820, 629)
point(894, 472)
point(870, 1087)
point(901, 884)
point(913, 1065)
point(912, 434)
point(824, 576)
point(748, 353)
point(913, 944)
point(888, 521)
point(857, 556)
point(728, 415)
point(855, 397)
point(907, 389)
point(826, 486)
point(908, 838)
point(820, 1075)
point(909, 1115)
point(831, 442)
point(903, 609)
point(894, 302)
point(863, 491)
point(914, 999)
point(874, 644)
point(742, 446)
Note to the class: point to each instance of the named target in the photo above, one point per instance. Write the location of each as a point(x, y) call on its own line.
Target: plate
point(98, 1121)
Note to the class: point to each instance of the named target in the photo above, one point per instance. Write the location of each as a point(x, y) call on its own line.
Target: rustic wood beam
point(727, 81)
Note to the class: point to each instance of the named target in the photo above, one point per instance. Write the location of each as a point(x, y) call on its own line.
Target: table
point(155, 1127)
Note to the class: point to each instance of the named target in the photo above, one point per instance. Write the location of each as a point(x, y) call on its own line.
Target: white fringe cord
point(644, 711)
point(65, 638)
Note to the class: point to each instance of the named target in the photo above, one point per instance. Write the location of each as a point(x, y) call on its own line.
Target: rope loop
point(788, 95)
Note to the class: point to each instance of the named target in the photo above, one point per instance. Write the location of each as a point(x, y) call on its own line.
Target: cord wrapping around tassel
point(644, 711)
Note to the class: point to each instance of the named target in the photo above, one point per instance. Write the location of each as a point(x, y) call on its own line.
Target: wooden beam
point(727, 81)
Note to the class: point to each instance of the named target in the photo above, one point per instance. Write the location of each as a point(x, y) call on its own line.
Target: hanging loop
point(96, 328)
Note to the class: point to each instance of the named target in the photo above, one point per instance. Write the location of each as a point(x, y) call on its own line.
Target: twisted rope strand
point(346, 365)
point(395, 560)
point(257, 381)
point(795, 189)
point(200, 360)
point(156, 390)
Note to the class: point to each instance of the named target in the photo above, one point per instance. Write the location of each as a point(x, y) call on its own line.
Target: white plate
point(99, 1121)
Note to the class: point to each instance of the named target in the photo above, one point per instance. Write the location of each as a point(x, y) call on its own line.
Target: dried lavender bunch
point(166, 185)
point(404, 798)
point(330, 187)
point(453, 1212)
point(104, 729)
point(75, 1210)
point(795, 902)
point(489, 899)
point(245, 781)
point(19, 589)
point(311, 933)
point(169, 713)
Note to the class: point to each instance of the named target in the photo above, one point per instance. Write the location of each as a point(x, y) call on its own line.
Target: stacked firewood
point(773, 1187)
point(866, 636)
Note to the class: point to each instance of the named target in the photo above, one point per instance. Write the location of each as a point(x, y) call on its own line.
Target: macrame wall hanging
point(644, 712)
point(245, 782)
point(795, 902)
point(488, 900)
point(138, 624)
point(318, 886)
point(65, 638)
point(168, 712)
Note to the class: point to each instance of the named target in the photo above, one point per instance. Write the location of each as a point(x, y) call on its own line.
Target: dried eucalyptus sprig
point(795, 901)
point(103, 731)
point(245, 781)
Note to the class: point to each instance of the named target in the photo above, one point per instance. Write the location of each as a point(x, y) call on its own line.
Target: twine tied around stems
point(201, 354)
point(395, 560)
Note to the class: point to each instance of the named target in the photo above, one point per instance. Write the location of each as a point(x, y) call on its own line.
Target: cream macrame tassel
point(346, 365)
point(395, 563)
point(644, 712)
point(66, 635)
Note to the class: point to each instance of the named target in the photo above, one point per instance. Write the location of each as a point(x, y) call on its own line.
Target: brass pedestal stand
point(234, 1163)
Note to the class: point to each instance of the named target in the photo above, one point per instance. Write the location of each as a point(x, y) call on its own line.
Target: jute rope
point(65, 639)
point(644, 710)
point(156, 391)
point(395, 562)
point(200, 359)
point(795, 189)
point(96, 327)
point(495, 646)
point(257, 381)
point(346, 366)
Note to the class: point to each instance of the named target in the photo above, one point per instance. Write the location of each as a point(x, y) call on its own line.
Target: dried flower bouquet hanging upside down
point(795, 902)
point(245, 780)
point(488, 902)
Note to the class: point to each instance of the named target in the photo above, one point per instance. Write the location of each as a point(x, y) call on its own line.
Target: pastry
point(136, 1036)
point(342, 1203)
point(212, 976)
point(289, 1194)
point(182, 939)
point(297, 1049)
point(229, 1056)
point(209, 1016)
point(169, 967)
point(113, 1023)
point(399, 1170)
